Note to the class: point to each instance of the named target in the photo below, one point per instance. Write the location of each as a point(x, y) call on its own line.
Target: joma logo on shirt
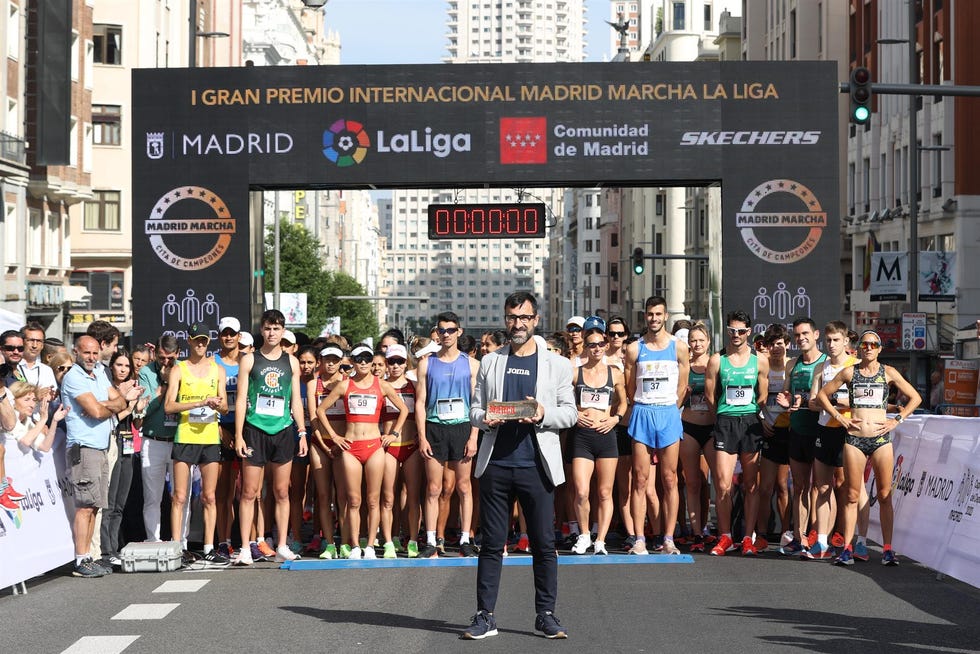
point(518, 371)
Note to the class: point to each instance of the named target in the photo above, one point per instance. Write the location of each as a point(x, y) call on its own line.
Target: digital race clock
point(487, 220)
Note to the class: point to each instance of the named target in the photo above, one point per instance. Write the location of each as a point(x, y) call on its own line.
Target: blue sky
point(414, 31)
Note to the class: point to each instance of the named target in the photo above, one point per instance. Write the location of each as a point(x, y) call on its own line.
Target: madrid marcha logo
point(345, 143)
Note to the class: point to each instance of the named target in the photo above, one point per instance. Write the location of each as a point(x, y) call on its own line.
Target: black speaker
point(53, 75)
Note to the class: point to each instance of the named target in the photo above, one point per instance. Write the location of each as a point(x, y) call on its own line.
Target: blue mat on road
point(461, 562)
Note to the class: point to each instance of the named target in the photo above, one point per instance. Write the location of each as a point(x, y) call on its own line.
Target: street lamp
point(194, 35)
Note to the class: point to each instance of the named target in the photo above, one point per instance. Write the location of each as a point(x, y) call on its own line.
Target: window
point(588, 268)
point(13, 31)
point(34, 253)
point(74, 56)
point(108, 44)
point(102, 214)
point(792, 34)
point(614, 272)
point(105, 287)
point(678, 15)
point(108, 124)
point(707, 17)
point(614, 240)
point(613, 296)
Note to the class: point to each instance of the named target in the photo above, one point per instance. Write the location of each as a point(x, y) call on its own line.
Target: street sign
point(913, 331)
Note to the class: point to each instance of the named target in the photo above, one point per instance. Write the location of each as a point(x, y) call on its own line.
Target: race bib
point(336, 409)
point(595, 398)
point(699, 402)
point(231, 399)
point(360, 404)
point(451, 409)
point(270, 405)
point(868, 396)
point(738, 395)
point(202, 415)
point(650, 385)
point(409, 401)
point(170, 420)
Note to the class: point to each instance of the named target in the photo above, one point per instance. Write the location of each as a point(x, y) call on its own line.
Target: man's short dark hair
point(655, 301)
point(774, 332)
point(10, 333)
point(33, 326)
point(167, 343)
point(447, 316)
point(738, 316)
point(102, 331)
point(273, 317)
point(805, 321)
point(517, 298)
point(467, 344)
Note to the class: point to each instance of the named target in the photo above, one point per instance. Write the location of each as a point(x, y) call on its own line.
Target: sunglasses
point(13, 348)
point(739, 331)
point(396, 362)
point(870, 345)
point(346, 367)
point(573, 330)
point(64, 368)
point(594, 345)
point(523, 317)
point(447, 330)
point(362, 358)
point(616, 334)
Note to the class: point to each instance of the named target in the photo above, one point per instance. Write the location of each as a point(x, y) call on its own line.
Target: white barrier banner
point(36, 536)
point(936, 495)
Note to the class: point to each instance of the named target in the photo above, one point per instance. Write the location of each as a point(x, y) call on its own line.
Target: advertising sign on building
point(889, 276)
point(937, 274)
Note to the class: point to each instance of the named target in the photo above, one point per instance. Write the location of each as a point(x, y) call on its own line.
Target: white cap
point(289, 336)
point(395, 351)
point(361, 349)
point(578, 321)
point(245, 338)
point(682, 334)
point(431, 348)
point(332, 351)
point(228, 322)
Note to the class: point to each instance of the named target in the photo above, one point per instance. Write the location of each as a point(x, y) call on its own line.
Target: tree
point(301, 271)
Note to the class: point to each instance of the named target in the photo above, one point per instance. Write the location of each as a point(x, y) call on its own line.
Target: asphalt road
point(732, 604)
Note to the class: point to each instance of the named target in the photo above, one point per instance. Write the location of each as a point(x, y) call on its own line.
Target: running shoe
point(760, 543)
point(11, 493)
point(656, 543)
point(817, 552)
point(429, 552)
point(316, 545)
point(723, 546)
point(523, 544)
point(296, 547)
point(369, 553)
point(87, 568)
point(329, 552)
point(214, 559)
point(628, 543)
point(837, 540)
point(599, 548)
point(786, 538)
point(188, 558)
point(547, 623)
point(397, 542)
point(114, 561)
point(224, 549)
point(861, 552)
point(811, 538)
point(748, 547)
point(482, 626)
point(889, 558)
point(390, 552)
point(284, 553)
point(569, 541)
point(356, 553)
point(582, 544)
point(793, 548)
point(105, 565)
point(266, 550)
point(697, 544)
point(468, 550)
point(244, 556)
point(639, 548)
point(441, 545)
point(345, 551)
point(413, 549)
point(844, 558)
point(670, 548)
point(362, 543)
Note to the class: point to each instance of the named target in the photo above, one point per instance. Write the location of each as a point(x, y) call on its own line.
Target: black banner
point(766, 130)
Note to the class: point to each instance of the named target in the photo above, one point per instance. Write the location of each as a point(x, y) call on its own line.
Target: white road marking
point(100, 644)
point(181, 586)
point(145, 611)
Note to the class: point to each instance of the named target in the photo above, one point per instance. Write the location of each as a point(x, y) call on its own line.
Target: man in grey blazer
point(522, 459)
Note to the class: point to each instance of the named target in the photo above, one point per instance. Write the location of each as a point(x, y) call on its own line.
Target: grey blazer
point(553, 391)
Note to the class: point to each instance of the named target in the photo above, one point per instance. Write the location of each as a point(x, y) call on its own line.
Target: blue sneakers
point(888, 558)
point(483, 625)
point(547, 623)
point(817, 552)
point(844, 558)
point(793, 548)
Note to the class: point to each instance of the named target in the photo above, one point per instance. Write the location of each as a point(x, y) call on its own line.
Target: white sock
point(430, 538)
point(208, 548)
point(79, 558)
point(464, 538)
point(861, 540)
point(822, 539)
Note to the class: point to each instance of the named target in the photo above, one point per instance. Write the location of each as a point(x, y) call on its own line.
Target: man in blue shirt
point(92, 404)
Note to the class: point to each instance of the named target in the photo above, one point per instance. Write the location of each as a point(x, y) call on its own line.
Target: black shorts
point(590, 444)
point(448, 442)
point(869, 445)
point(269, 448)
point(624, 444)
point(700, 433)
point(228, 453)
point(801, 446)
point(194, 454)
point(828, 448)
point(737, 434)
point(776, 447)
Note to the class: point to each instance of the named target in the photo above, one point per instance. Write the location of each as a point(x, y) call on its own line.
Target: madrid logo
point(154, 145)
point(810, 215)
point(188, 214)
point(524, 140)
point(345, 143)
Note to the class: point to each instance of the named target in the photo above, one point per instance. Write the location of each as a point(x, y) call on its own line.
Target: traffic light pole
point(685, 257)
point(919, 89)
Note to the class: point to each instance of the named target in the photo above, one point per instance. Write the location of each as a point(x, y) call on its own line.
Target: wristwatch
point(394, 433)
point(899, 418)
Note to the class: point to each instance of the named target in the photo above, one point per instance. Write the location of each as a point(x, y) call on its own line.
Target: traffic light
point(860, 95)
point(638, 261)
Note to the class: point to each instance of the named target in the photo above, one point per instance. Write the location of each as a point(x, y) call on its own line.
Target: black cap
point(199, 329)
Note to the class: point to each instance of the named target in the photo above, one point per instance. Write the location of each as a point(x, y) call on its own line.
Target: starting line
point(471, 562)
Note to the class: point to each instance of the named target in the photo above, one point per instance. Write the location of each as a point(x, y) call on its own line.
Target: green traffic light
point(861, 114)
point(638, 269)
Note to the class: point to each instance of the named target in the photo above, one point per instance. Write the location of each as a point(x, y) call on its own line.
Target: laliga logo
point(749, 218)
point(203, 213)
point(345, 143)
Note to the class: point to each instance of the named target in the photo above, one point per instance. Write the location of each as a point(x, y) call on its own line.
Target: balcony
point(13, 148)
